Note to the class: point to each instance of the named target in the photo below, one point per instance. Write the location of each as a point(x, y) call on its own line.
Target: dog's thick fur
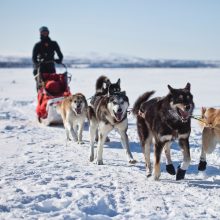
point(210, 123)
point(108, 112)
point(160, 121)
point(73, 110)
point(105, 87)
point(101, 86)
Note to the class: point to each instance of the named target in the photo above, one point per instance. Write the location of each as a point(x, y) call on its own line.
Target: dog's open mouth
point(118, 115)
point(184, 114)
point(78, 110)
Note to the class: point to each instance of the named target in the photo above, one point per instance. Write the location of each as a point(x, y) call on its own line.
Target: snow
point(41, 177)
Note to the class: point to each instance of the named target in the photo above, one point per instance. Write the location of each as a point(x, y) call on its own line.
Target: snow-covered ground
point(42, 178)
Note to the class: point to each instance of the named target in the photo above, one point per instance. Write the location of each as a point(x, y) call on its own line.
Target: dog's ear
point(187, 87)
point(86, 103)
point(119, 81)
point(203, 110)
point(170, 88)
point(70, 98)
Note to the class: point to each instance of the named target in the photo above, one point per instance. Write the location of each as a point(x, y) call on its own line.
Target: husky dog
point(73, 110)
point(105, 87)
point(108, 112)
point(114, 88)
point(162, 120)
point(210, 135)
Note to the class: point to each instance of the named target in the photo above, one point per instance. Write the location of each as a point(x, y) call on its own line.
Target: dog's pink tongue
point(78, 110)
point(184, 114)
point(119, 116)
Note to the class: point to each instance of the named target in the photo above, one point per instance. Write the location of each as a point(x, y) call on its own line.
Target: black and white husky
point(162, 120)
point(105, 87)
point(108, 112)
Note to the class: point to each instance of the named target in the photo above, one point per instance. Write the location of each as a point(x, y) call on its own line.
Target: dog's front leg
point(125, 145)
point(73, 132)
point(70, 130)
point(158, 147)
point(202, 162)
point(184, 144)
point(146, 151)
point(80, 130)
point(169, 166)
point(67, 133)
point(102, 134)
point(208, 145)
point(92, 131)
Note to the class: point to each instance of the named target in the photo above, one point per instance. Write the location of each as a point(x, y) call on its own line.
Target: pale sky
point(164, 29)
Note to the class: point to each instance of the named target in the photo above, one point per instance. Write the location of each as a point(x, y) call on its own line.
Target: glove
point(58, 61)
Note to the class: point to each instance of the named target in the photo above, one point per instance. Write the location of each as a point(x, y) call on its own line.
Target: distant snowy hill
point(112, 61)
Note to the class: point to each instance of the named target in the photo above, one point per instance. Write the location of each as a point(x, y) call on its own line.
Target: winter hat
point(44, 28)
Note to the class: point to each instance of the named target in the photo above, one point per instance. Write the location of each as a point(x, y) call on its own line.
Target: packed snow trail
point(41, 177)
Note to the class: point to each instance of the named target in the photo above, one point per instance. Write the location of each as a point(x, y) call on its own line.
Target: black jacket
point(45, 51)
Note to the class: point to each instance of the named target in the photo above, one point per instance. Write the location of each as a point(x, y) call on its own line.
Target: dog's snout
point(119, 110)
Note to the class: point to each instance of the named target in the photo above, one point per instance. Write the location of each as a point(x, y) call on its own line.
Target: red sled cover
point(55, 86)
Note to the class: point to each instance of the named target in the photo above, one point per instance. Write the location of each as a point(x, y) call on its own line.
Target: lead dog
point(108, 112)
point(105, 87)
point(73, 110)
point(160, 121)
point(210, 122)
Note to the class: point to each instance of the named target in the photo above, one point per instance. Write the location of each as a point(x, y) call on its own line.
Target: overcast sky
point(167, 29)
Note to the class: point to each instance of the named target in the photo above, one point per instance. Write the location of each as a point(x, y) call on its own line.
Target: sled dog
point(160, 121)
point(210, 122)
point(105, 87)
point(108, 112)
point(73, 110)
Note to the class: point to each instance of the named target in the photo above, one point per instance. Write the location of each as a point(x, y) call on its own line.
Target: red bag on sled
point(54, 89)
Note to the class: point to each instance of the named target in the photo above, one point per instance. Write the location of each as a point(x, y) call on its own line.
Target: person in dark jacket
point(44, 52)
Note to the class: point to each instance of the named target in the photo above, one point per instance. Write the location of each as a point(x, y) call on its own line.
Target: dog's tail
point(140, 100)
point(102, 83)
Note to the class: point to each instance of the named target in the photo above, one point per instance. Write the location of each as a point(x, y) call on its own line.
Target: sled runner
point(52, 88)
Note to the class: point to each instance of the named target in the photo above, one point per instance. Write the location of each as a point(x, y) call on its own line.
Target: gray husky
point(108, 112)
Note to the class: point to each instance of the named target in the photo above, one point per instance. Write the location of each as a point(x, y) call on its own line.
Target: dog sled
point(52, 88)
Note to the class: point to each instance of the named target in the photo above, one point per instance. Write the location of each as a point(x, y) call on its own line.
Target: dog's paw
point(99, 162)
point(107, 140)
point(68, 139)
point(149, 174)
point(80, 142)
point(202, 165)
point(170, 169)
point(91, 158)
point(156, 176)
point(180, 173)
point(132, 161)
